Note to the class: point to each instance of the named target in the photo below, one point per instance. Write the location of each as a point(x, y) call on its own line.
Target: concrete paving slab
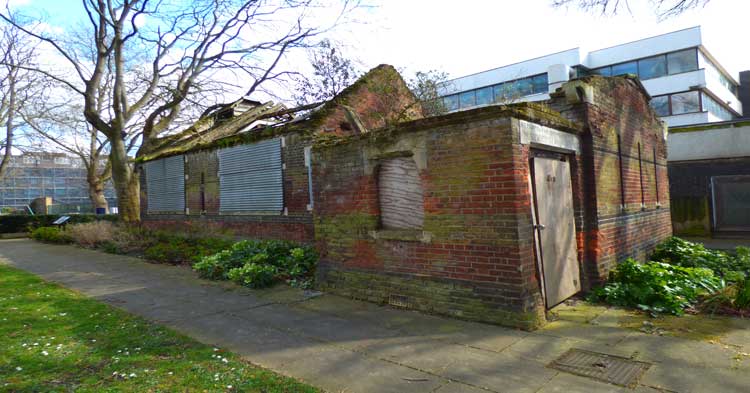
point(457, 387)
point(421, 353)
point(576, 331)
point(569, 383)
point(678, 352)
point(340, 371)
point(696, 380)
point(739, 335)
point(503, 372)
point(541, 348)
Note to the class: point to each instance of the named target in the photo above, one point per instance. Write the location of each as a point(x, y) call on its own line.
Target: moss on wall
point(690, 216)
point(431, 296)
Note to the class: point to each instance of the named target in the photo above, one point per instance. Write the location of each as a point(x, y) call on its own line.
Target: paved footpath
point(342, 345)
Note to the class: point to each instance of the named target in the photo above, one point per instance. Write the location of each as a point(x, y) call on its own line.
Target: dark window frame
point(697, 60)
point(671, 112)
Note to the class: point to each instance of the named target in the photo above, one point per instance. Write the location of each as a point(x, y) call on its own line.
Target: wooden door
point(555, 229)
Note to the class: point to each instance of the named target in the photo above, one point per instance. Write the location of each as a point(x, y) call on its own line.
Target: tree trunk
point(127, 183)
point(8, 154)
point(96, 195)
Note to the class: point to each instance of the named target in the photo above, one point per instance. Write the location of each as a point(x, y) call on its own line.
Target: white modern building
point(687, 84)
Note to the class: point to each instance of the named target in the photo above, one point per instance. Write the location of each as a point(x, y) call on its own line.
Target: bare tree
point(162, 55)
point(663, 8)
point(62, 125)
point(18, 87)
point(426, 86)
point(332, 72)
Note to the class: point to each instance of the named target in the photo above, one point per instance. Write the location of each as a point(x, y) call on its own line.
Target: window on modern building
point(687, 102)
point(524, 87)
point(29, 160)
point(501, 92)
point(62, 160)
point(250, 177)
point(660, 105)
point(625, 68)
point(603, 71)
point(451, 102)
point(652, 67)
point(467, 99)
point(715, 74)
point(165, 182)
point(713, 107)
point(682, 61)
point(484, 96)
point(540, 84)
point(400, 194)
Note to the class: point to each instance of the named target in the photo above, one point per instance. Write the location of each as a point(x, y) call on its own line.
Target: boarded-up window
point(400, 194)
point(250, 178)
point(165, 182)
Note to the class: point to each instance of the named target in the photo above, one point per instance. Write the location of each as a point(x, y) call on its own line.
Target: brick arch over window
point(400, 194)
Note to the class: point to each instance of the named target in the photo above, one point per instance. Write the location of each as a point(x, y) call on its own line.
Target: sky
point(469, 36)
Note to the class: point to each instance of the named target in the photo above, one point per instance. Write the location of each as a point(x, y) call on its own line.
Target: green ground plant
point(657, 287)
point(50, 235)
point(252, 263)
point(260, 263)
point(176, 249)
point(680, 252)
point(55, 340)
point(682, 275)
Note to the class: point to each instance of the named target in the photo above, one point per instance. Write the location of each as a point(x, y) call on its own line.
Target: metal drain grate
point(608, 368)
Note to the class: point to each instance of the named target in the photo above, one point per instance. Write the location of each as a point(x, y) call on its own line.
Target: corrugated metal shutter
point(165, 182)
point(400, 194)
point(250, 177)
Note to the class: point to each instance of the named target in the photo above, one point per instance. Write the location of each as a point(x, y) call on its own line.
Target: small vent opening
point(400, 301)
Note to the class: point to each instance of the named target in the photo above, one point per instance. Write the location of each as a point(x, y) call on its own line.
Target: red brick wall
point(615, 231)
point(479, 261)
point(477, 218)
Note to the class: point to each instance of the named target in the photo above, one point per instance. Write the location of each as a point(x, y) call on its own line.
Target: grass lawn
point(55, 340)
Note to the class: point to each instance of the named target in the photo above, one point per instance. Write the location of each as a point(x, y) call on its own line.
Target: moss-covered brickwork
point(430, 296)
point(473, 258)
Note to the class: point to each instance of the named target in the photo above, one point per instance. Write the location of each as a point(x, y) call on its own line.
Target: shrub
point(216, 267)
point(50, 235)
point(175, 249)
point(91, 234)
point(683, 253)
point(288, 261)
point(657, 287)
point(253, 275)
